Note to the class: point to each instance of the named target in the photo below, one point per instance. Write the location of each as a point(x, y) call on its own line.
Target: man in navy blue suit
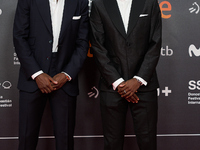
point(51, 41)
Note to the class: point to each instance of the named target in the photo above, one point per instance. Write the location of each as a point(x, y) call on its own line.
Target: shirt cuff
point(141, 80)
point(67, 75)
point(36, 74)
point(117, 82)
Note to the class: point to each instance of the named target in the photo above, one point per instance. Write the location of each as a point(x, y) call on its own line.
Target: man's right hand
point(44, 82)
point(133, 98)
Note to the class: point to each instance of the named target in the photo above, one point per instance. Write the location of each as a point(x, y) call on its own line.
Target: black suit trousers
point(144, 115)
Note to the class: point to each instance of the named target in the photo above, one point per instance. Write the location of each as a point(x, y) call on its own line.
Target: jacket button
point(50, 41)
point(48, 58)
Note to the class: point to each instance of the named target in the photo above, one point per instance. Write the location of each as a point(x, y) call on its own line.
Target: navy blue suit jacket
point(33, 41)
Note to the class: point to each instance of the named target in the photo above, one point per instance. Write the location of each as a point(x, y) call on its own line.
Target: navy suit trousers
point(31, 108)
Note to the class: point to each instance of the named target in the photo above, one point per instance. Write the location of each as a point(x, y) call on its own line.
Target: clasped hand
point(47, 84)
point(129, 89)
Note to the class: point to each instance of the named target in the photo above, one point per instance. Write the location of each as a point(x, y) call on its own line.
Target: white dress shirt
point(56, 19)
point(56, 9)
point(125, 9)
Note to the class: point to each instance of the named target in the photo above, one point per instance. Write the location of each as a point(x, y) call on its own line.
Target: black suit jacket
point(33, 39)
point(120, 54)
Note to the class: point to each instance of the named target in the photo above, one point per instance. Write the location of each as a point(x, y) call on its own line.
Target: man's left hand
point(129, 88)
point(61, 79)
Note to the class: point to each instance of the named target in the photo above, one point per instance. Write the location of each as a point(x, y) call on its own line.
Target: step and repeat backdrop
point(179, 92)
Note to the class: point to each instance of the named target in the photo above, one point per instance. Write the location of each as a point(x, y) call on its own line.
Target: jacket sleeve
point(21, 39)
point(152, 55)
point(101, 54)
point(82, 44)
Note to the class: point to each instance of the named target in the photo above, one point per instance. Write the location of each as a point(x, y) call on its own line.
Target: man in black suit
point(51, 41)
point(126, 42)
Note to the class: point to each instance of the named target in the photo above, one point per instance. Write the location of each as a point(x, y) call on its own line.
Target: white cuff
point(141, 80)
point(36, 74)
point(67, 75)
point(117, 82)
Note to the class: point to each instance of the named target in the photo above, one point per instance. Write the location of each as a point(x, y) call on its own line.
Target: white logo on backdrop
point(0, 11)
point(166, 51)
point(194, 9)
point(94, 92)
point(158, 91)
point(166, 91)
point(15, 59)
point(6, 85)
point(194, 50)
point(5, 102)
point(194, 94)
point(194, 85)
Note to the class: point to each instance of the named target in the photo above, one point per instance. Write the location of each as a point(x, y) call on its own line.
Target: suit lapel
point(44, 9)
point(68, 12)
point(136, 10)
point(114, 14)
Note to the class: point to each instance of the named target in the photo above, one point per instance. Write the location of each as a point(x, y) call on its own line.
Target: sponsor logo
point(165, 8)
point(166, 91)
point(94, 93)
point(6, 85)
point(195, 8)
point(194, 94)
point(5, 102)
point(15, 59)
point(166, 51)
point(194, 85)
point(193, 50)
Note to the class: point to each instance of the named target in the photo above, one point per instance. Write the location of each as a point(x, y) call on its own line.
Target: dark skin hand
point(128, 90)
point(132, 99)
point(44, 83)
point(61, 80)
